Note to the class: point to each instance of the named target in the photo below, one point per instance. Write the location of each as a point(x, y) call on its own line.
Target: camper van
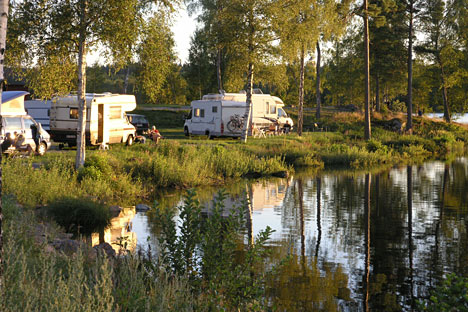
point(15, 122)
point(106, 120)
point(223, 114)
point(40, 111)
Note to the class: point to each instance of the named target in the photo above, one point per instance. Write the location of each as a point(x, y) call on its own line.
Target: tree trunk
point(3, 32)
point(444, 92)
point(317, 84)
point(248, 107)
point(409, 104)
point(367, 212)
point(218, 70)
point(319, 221)
point(367, 129)
point(377, 94)
point(81, 130)
point(300, 117)
point(409, 177)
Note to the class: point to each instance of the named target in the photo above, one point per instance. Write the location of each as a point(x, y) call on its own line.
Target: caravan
point(106, 120)
point(40, 111)
point(223, 114)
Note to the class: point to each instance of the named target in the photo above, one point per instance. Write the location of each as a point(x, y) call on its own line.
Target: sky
point(183, 28)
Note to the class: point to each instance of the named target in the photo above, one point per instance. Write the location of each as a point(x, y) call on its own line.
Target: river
point(377, 241)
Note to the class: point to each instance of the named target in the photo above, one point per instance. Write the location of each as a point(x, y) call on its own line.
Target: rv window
point(214, 109)
point(272, 109)
point(202, 113)
point(115, 112)
point(12, 123)
point(28, 123)
point(197, 112)
point(73, 113)
point(281, 113)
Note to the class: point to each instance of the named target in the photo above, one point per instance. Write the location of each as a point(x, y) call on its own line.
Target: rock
point(67, 246)
point(142, 208)
point(106, 249)
point(396, 124)
point(115, 210)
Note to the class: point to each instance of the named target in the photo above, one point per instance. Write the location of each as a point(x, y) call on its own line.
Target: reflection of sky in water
point(342, 224)
point(461, 118)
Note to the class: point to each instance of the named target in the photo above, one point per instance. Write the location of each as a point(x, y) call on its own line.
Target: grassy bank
point(124, 174)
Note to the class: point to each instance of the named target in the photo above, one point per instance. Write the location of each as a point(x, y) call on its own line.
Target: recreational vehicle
point(223, 114)
point(40, 111)
point(16, 122)
point(106, 121)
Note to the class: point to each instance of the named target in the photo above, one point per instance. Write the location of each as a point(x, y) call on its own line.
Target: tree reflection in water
point(357, 245)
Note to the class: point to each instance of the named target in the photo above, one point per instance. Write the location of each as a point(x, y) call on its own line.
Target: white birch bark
point(3, 32)
point(81, 129)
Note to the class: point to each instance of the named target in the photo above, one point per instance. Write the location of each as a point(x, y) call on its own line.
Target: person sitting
point(21, 145)
point(7, 142)
point(155, 135)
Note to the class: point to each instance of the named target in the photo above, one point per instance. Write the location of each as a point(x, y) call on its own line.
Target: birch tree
point(72, 29)
point(250, 25)
point(3, 32)
point(299, 33)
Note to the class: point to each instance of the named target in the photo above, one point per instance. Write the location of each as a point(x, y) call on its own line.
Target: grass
point(37, 278)
point(125, 175)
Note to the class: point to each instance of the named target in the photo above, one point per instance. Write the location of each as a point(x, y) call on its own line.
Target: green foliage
point(225, 272)
point(37, 278)
point(156, 52)
point(452, 295)
point(80, 216)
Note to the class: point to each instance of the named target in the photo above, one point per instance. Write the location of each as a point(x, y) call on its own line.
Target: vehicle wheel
point(186, 132)
point(41, 149)
point(130, 140)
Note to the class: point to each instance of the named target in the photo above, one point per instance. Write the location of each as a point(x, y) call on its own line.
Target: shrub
point(221, 268)
point(80, 216)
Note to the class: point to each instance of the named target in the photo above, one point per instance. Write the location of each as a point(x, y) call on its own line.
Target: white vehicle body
point(223, 114)
point(40, 111)
point(106, 120)
point(15, 121)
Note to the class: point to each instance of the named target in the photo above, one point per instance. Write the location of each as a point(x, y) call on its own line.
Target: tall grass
point(37, 278)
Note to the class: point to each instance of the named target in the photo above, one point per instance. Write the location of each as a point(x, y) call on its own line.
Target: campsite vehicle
point(139, 122)
point(223, 114)
point(106, 121)
point(40, 111)
point(16, 122)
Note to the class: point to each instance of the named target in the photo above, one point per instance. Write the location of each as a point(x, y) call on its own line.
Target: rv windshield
point(282, 113)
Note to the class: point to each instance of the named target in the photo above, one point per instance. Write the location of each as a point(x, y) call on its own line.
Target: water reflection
point(119, 235)
point(367, 242)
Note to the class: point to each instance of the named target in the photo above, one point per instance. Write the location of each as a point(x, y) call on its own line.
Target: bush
point(80, 216)
point(224, 271)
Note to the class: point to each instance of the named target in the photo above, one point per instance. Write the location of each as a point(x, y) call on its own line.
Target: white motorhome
point(223, 114)
point(40, 111)
point(16, 122)
point(106, 120)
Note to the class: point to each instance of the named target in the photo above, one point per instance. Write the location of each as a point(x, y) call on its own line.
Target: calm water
point(359, 241)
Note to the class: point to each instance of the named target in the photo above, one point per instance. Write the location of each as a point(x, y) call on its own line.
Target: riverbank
point(124, 174)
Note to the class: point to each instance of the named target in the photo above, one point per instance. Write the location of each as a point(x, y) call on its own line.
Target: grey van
point(16, 124)
point(32, 131)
